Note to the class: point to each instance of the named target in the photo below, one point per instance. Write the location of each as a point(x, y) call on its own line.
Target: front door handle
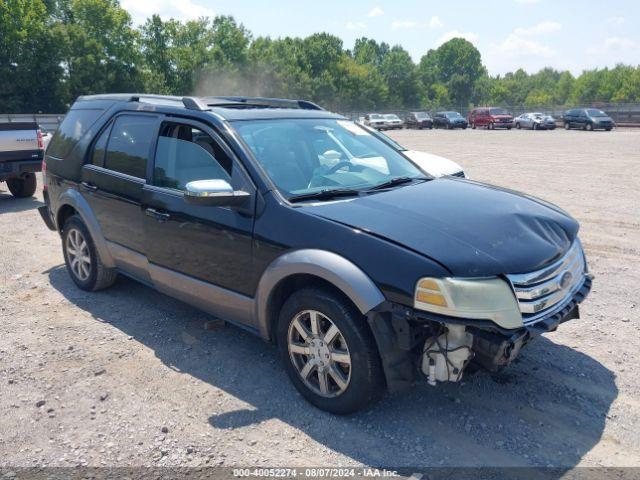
point(89, 186)
point(159, 216)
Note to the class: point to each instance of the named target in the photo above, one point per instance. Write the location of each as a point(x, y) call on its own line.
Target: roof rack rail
point(191, 103)
point(262, 102)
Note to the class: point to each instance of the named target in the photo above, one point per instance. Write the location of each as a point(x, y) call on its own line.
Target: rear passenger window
point(184, 154)
point(97, 157)
point(74, 126)
point(129, 144)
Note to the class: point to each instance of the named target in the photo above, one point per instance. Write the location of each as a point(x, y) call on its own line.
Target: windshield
point(385, 138)
point(392, 117)
point(375, 116)
point(452, 114)
point(498, 111)
point(592, 112)
point(422, 116)
point(304, 156)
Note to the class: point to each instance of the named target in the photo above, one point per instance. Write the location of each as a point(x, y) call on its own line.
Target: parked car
point(449, 120)
point(21, 154)
point(375, 120)
point(587, 119)
point(46, 138)
point(434, 165)
point(490, 117)
point(418, 120)
point(393, 122)
point(365, 277)
point(535, 121)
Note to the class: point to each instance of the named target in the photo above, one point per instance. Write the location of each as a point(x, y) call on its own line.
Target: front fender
point(329, 266)
point(74, 199)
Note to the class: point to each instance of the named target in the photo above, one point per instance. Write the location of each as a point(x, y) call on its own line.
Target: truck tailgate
point(19, 141)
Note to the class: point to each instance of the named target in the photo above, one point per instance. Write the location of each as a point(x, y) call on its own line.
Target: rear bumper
point(45, 213)
point(18, 168)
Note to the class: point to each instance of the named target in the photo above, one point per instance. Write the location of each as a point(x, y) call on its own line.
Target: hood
point(471, 228)
point(433, 164)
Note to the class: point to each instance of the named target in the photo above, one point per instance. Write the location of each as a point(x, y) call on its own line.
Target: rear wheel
point(22, 187)
point(82, 259)
point(329, 352)
point(491, 126)
point(473, 125)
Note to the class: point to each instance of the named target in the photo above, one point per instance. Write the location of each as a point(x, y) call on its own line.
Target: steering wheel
point(340, 165)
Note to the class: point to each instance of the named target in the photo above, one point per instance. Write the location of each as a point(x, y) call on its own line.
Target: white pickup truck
point(21, 153)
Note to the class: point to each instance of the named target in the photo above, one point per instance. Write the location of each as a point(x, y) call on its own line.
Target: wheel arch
point(70, 203)
point(305, 267)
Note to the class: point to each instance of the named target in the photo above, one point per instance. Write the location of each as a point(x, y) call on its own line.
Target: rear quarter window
point(129, 144)
point(73, 127)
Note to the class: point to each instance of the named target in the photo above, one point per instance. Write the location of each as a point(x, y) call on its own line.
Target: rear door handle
point(89, 186)
point(159, 216)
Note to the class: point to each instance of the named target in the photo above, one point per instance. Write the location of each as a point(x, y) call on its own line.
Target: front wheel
point(589, 127)
point(517, 126)
point(491, 126)
point(473, 125)
point(22, 187)
point(567, 126)
point(329, 352)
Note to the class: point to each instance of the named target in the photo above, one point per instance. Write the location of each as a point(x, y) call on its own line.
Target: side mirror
point(214, 193)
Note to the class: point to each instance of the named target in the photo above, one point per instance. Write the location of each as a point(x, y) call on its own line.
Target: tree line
point(55, 50)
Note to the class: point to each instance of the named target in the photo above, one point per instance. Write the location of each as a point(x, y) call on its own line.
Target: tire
point(74, 233)
point(473, 126)
point(567, 126)
point(608, 129)
point(22, 187)
point(518, 126)
point(589, 127)
point(491, 126)
point(363, 384)
point(535, 126)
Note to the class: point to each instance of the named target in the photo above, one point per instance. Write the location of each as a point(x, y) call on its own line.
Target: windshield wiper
point(396, 181)
point(325, 194)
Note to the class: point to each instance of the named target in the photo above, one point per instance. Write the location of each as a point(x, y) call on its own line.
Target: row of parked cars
point(492, 118)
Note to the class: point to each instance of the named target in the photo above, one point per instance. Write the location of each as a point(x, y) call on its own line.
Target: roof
point(230, 108)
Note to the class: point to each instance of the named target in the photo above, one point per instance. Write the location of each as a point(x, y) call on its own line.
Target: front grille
point(546, 291)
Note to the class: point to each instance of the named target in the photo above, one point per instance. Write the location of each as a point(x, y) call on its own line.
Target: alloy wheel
point(78, 254)
point(319, 353)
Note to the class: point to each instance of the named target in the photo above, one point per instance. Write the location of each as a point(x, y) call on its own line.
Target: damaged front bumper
point(413, 343)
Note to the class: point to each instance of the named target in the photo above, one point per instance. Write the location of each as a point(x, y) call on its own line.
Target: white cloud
point(616, 21)
point(140, 10)
point(355, 25)
point(470, 36)
point(613, 45)
point(539, 29)
point(434, 22)
point(375, 12)
point(517, 46)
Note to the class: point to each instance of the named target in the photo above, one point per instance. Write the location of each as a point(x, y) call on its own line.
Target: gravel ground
point(130, 377)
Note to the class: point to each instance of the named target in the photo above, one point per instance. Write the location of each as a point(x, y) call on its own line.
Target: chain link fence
point(624, 114)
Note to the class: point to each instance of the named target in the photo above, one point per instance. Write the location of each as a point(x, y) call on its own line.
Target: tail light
point(40, 140)
point(44, 174)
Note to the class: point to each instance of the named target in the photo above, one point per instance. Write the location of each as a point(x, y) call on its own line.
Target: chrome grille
point(546, 291)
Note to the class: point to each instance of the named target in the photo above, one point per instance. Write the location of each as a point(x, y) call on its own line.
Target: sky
point(510, 34)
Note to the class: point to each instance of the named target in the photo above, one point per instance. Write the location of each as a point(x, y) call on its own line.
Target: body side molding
point(329, 266)
point(74, 199)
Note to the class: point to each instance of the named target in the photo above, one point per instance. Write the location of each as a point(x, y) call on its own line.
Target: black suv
point(418, 120)
point(449, 120)
point(297, 224)
point(587, 119)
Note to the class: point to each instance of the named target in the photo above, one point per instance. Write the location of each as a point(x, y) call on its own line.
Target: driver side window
point(185, 153)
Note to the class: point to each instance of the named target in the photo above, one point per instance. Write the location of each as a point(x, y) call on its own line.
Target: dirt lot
point(130, 377)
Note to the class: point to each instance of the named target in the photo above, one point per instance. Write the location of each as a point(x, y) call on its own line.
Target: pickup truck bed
point(21, 153)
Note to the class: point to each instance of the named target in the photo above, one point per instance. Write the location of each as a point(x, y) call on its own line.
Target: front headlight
point(481, 299)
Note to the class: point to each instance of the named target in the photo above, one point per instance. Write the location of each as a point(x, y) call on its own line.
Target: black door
point(113, 179)
point(202, 248)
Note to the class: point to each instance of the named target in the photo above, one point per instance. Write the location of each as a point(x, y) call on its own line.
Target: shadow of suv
point(302, 227)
